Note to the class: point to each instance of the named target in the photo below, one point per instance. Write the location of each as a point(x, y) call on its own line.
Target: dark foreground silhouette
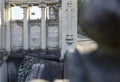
point(101, 22)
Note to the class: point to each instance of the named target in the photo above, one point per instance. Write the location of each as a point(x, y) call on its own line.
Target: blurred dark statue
point(101, 21)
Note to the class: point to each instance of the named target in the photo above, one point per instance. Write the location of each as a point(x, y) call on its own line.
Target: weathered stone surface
point(35, 36)
point(69, 25)
point(53, 37)
point(17, 35)
point(52, 13)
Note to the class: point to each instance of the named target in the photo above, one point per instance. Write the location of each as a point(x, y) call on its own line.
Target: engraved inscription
point(35, 37)
point(53, 37)
point(17, 36)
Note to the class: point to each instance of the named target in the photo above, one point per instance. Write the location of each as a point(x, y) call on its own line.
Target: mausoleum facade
point(42, 25)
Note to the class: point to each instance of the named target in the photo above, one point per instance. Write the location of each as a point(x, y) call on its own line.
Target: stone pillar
point(43, 26)
point(8, 27)
point(60, 27)
point(0, 21)
point(3, 68)
point(69, 26)
point(25, 26)
point(47, 12)
point(2, 24)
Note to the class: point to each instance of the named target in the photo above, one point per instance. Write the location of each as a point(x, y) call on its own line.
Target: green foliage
point(25, 67)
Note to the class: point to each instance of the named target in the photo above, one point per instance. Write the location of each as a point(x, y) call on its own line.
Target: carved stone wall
point(34, 35)
point(69, 25)
point(53, 35)
point(16, 35)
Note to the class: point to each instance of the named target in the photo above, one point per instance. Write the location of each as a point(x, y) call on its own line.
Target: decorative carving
point(52, 13)
point(35, 37)
point(53, 37)
point(17, 37)
point(69, 17)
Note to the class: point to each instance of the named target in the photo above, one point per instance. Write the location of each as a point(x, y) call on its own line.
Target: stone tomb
point(59, 35)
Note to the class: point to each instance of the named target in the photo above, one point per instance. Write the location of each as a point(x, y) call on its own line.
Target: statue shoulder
point(76, 69)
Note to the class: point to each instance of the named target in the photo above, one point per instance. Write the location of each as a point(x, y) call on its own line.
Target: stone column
point(60, 27)
point(3, 68)
point(43, 26)
point(2, 24)
point(69, 26)
point(8, 27)
point(0, 21)
point(25, 26)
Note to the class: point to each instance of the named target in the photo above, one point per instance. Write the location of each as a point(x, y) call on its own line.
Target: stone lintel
point(42, 5)
point(25, 5)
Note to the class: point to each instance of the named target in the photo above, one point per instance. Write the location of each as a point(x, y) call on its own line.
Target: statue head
point(101, 22)
point(52, 13)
